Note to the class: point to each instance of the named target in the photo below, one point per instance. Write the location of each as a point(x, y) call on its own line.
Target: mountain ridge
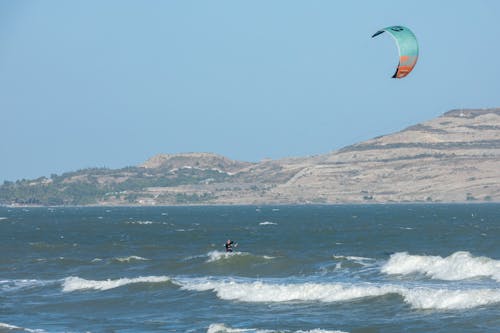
point(452, 158)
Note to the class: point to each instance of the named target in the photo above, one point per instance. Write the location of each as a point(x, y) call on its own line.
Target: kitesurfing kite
point(407, 46)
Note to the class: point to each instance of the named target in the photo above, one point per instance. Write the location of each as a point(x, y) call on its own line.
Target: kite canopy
point(407, 46)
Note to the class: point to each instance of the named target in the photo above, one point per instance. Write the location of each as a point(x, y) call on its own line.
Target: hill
point(452, 158)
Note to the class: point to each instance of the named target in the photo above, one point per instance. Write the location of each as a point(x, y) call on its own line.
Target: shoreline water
point(322, 268)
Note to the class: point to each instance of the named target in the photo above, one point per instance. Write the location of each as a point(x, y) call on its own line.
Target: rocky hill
point(453, 158)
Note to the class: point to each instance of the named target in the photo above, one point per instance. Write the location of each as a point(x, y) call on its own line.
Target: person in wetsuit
point(229, 245)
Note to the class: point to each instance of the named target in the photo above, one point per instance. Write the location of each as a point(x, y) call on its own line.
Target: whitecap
point(445, 299)
point(17, 328)
point(130, 258)
point(14, 285)
point(358, 260)
point(219, 255)
point(259, 291)
point(416, 297)
point(458, 266)
point(140, 222)
point(268, 223)
point(74, 283)
point(3, 218)
point(223, 328)
point(214, 256)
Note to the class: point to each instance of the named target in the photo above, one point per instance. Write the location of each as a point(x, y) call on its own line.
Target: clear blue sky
point(111, 83)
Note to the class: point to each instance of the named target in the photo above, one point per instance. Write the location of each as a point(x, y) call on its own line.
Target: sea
point(312, 269)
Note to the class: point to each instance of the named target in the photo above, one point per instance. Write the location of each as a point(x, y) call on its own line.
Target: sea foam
point(444, 299)
point(130, 258)
point(269, 292)
point(75, 283)
point(358, 260)
point(222, 328)
point(268, 223)
point(9, 327)
point(22, 284)
point(417, 297)
point(141, 222)
point(458, 266)
point(214, 256)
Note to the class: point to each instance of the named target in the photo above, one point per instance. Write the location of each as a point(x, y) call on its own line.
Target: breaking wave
point(268, 223)
point(147, 222)
point(357, 260)
point(73, 283)
point(214, 256)
point(417, 297)
point(8, 327)
point(23, 284)
point(222, 328)
point(458, 266)
point(130, 258)
point(445, 299)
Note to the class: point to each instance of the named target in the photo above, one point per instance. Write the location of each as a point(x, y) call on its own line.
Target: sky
point(112, 83)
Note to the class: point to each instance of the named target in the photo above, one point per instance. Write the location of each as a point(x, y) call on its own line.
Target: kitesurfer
point(229, 245)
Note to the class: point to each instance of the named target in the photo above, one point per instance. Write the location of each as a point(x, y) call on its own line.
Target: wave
point(2, 218)
point(258, 291)
point(23, 284)
point(222, 328)
point(73, 283)
point(445, 299)
point(418, 298)
point(268, 223)
point(9, 327)
point(130, 258)
point(141, 222)
point(363, 261)
point(214, 256)
point(458, 266)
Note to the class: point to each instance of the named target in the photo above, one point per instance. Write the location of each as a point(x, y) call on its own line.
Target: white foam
point(17, 328)
point(417, 297)
point(130, 258)
point(2, 218)
point(14, 285)
point(357, 260)
point(141, 222)
point(458, 266)
point(75, 283)
point(222, 328)
point(268, 223)
point(445, 299)
point(265, 292)
point(219, 255)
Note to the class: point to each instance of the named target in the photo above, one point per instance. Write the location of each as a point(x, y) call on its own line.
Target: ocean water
point(316, 269)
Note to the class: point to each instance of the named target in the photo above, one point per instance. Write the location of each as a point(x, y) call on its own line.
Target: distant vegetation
point(90, 186)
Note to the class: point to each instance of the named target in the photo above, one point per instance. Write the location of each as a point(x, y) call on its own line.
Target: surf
point(460, 265)
point(418, 297)
point(74, 283)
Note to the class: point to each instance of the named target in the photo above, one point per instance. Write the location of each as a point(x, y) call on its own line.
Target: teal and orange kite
point(407, 46)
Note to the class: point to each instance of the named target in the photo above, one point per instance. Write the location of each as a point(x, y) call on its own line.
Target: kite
point(407, 46)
